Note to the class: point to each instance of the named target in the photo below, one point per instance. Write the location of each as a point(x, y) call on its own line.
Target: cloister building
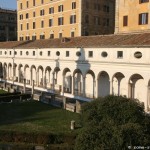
point(82, 68)
point(44, 19)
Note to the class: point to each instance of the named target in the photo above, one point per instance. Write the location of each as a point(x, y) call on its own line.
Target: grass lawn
point(36, 117)
point(2, 91)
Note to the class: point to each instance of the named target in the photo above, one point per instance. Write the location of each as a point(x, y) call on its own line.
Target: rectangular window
point(21, 27)
point(125, 21)
point(10, 52)
point(72, 34)
point(42, 1)
point(143, 18)
point(51, 10)
point(33, 25)
point(27, 26)
point(27, 4)
point(42, 24)
point(90, 53)
point(20, 5)
point(143, 1)
point(42, 36)
point(72, 19)
point(50, 22)
point(34, 14)
point(49, 53)
point(60, 8)
point(27, 15)
point(96, 20)
point(20, 52)
point(33, 2)
point(51, 36)
point(67, 53)
point(42, 12)
point(60, 21)
point(33, 37)
point(33, 53)
point(119, 54)
point(73, 5)
point(60, 35)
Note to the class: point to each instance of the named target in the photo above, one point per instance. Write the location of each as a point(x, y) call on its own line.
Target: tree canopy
point(113, 123)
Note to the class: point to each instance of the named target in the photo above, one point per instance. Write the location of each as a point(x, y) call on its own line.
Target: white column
point(63, 82)
point(72, 88)
point(111, 87)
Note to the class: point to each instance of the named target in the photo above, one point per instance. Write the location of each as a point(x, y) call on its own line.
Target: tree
point(113, 123)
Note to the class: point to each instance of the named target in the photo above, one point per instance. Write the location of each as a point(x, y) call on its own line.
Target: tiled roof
point(118, 40)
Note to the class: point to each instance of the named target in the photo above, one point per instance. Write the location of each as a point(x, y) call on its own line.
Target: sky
point(10, 4)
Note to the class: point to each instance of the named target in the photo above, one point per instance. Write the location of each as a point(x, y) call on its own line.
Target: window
point(106, 8)
point(57, 53)
point(119, 54)
point(50, 22)
point(67, 53)
point(49, 53)
point(27, 4)
point(33, 2)
point(27, 26)
point(42, 12)
point(27, 53)
point(20, 5)
point(42, 36)
point(21, 38)
point(20, 52)
point(104, 54)
point(10, 53)
point(73, 5)
point(34, 14)
point(72, 34)
point(51, 36)
point(96, 20)
point(143, 18)
point(33, 25)
point(42, 24)
point(60, 8)
point(21, 17)
point(42, 1)
point(40, 53)
point(60, 35)
point(27, 38)
point(138, 55)
point(87, 19)
point(51, 10)
point(105, 22)
point(125, 21)
point(33, 53)
point(33, 37)
point(21, 27)
point(143, 1)
point(72, 19)
point(27, 15)
point(90, 53)
point(60, 21)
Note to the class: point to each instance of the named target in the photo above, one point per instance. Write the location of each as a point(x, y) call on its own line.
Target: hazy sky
point(8, 4)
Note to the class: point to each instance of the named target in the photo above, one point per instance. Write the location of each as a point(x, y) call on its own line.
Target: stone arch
point(10, 71)
point(27, 74)
point(33, 74)
point(116, 83)
point(5, 74)
point(47, 80)
point(78, 82)
point(90, 84)
point(103, 84)
point(67, 80)
point(135, 84)
point(20, 73)
point(40, 76)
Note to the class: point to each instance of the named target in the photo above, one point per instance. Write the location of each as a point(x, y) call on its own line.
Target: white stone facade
point(81, 73)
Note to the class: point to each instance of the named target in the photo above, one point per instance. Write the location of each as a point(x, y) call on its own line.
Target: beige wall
point(132, 9)
point(65, 29)
point(78, 28)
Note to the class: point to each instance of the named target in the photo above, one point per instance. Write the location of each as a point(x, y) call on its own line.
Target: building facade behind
point(8, 25)
point(132, 16)
point(44, 19)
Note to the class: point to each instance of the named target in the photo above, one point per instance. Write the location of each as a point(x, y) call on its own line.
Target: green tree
point(113, 123)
